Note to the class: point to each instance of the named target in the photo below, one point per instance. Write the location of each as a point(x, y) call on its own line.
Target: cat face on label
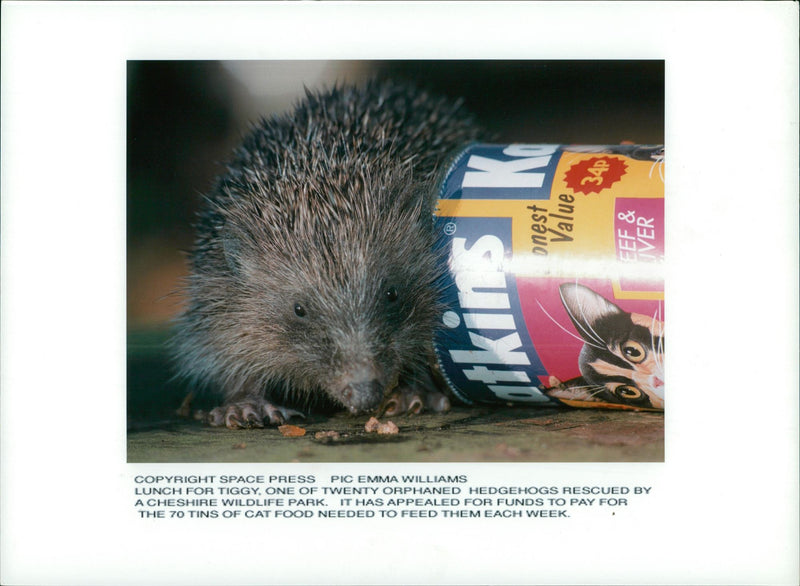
point(622, 359)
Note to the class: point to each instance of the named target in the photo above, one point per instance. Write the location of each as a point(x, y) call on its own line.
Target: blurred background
point(185, 117)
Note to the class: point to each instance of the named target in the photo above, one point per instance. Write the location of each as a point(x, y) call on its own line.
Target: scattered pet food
point(374, 425)
point(327, 436)
point(291, 431)
point(388, 428)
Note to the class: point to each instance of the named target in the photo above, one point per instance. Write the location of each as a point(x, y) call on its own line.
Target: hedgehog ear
point(232, 247)
point(419, 193)
point(426, 196)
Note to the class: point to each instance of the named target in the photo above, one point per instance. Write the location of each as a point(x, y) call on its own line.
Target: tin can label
point(554, 290)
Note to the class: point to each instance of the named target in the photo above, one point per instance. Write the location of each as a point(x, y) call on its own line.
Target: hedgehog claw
point(391, 406)
point(280, 415)
point(437, 402)
point(415, 405)
point(251, 416)
point(215, 417)
point(413, 402)
point(232, 420)
point(248, 414)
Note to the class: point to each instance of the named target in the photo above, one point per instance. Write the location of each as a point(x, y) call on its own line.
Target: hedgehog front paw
point(250, 413)
point(409, 400)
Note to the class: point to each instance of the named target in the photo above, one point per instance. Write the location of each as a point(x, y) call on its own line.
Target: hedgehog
point(314, 277)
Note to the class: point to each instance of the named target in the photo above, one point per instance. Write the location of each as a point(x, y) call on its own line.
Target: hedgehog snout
point(364, 396)
point(360, 388)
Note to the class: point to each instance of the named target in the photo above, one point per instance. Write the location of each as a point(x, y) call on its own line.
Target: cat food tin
point(554, 287)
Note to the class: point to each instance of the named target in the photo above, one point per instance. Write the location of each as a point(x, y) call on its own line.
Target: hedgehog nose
point(363, 396)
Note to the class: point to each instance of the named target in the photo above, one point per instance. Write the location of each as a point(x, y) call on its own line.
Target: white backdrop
point(724, 505)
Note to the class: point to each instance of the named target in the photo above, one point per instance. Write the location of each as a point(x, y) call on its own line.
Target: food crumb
point(327, 436)
point(291, 431)
point(372, 425)
point(388, 428)
point(239, 446)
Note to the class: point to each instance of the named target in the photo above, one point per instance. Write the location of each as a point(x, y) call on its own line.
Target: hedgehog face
point(351, 336)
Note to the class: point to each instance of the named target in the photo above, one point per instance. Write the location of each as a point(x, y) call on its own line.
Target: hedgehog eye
point(634, 351)
point(391, 294)
point(299, 310)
